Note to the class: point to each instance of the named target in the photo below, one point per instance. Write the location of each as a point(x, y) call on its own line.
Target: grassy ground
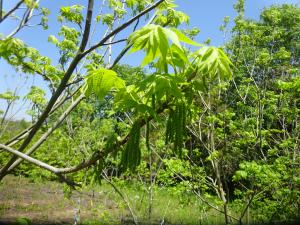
point(22, 200)
point(46, 201)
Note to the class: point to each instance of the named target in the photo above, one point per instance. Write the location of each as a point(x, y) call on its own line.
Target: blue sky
point(206, 15)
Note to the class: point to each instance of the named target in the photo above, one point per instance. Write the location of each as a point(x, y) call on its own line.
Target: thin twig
point(10, 11)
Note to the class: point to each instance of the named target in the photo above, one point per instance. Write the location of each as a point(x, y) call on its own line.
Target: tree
point(73, 51)
point(153, 38)
point(222, 127)
point(265, 55)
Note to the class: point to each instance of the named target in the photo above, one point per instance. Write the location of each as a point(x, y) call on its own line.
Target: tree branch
point(43, 138)
point(29, 159)
point(48, 167)
point(26, 17)
point(64, 81)
point(57, 93)
point(115, 42)
point(40, 164)
point(25, 132)
point(10, 11)
point(122, 27)
point(87, 27)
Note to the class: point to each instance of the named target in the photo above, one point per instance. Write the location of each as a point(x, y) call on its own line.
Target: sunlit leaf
point(101, 81)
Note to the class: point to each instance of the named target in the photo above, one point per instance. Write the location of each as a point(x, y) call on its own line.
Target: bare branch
point(104, 175)
point(57, 93)
point(87, 27)
point(43, 138)
point(25, 132)
point(122, 53)
point(48, 167)
point(115, 42)
point(26, 17)
point(40, 164)
point(10, 11)
point(29, 159)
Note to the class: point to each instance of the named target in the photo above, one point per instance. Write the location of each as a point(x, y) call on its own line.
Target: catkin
point(175, 128)
point(131, 156)
point(153, 101)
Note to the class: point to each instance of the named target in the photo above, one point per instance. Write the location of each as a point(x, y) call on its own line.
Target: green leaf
point(240, 174)
point(172, 36)
point(161, 86)
point(177, 57)
point(154, 40)
point(101, 81)
point(9, 96)
point(185, 39)
point(52, 39)
point(36, 96)
point(212, 62)
point(72, 13)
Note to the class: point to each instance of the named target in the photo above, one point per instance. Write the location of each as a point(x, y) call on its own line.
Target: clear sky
point(206, 15)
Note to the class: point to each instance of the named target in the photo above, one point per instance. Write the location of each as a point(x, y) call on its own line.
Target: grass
point(23, 221)
point(46, 201)
point(24, 202)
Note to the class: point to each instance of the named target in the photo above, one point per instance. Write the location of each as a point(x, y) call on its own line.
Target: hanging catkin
point(131, 156)
point(148, 135)
point(170, 127)
point(175, 129)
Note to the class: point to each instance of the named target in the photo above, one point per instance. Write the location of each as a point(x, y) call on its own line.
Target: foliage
point(216, 124)
point(101, 81)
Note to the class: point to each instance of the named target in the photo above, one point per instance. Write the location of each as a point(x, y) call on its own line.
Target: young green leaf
point(154, 40)
point(101, 81)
